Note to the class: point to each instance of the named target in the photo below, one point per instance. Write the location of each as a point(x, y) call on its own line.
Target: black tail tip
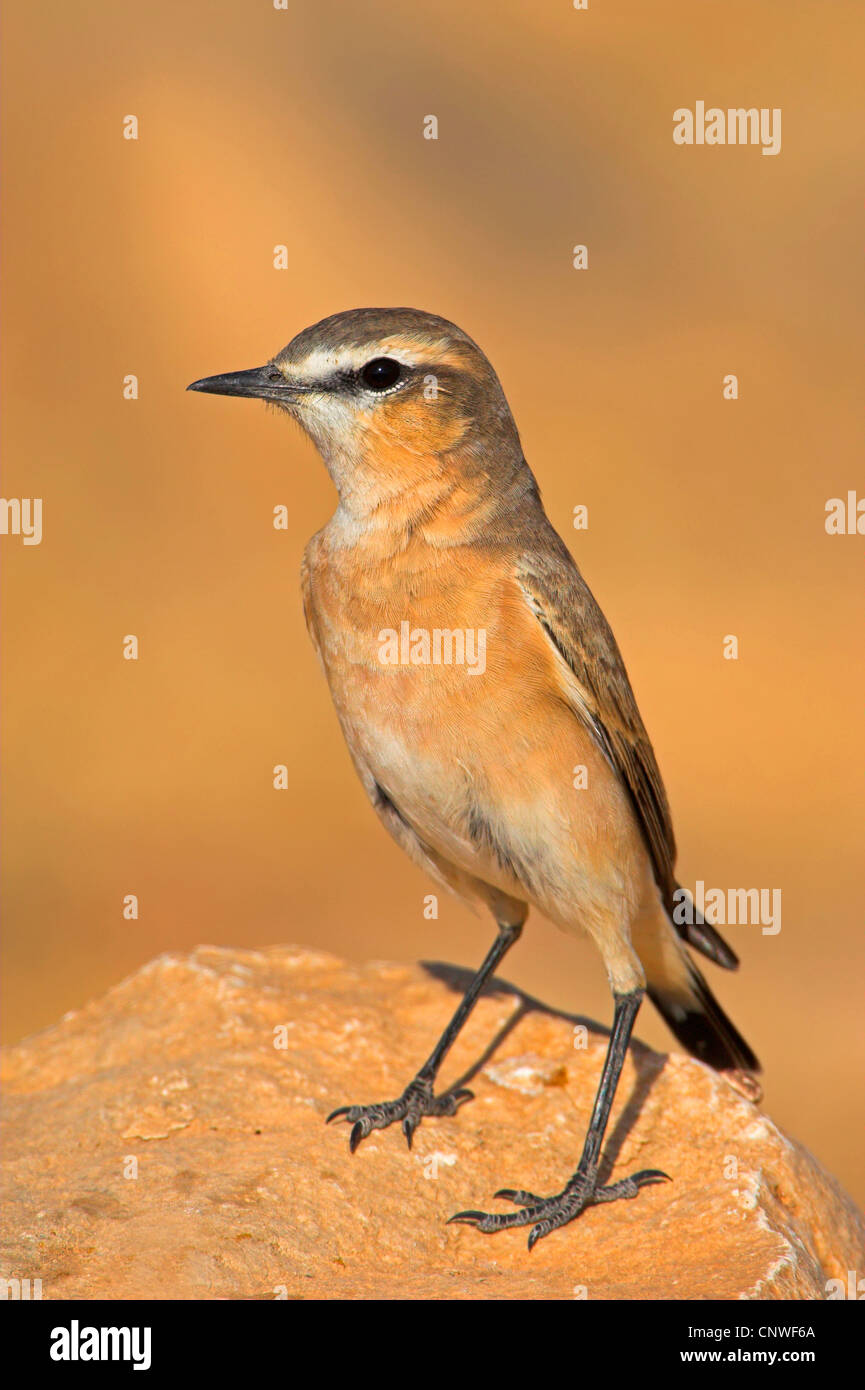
point(706, 1032)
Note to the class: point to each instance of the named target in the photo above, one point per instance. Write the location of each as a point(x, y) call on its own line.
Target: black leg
point(544, 1214)
point(417, 1099)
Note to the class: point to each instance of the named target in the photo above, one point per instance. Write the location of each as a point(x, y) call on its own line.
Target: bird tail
point(699, 1023)
point(685, 1001)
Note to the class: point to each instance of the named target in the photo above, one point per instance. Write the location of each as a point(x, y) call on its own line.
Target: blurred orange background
point(303, 128)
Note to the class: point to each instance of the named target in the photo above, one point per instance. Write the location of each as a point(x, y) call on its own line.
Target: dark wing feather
point(573, 622)
point(566, 609)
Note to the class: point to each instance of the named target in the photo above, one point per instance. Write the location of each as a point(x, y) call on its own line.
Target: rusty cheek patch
point(421, 426)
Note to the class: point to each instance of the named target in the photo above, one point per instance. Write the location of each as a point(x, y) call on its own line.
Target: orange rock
point(168, 1141)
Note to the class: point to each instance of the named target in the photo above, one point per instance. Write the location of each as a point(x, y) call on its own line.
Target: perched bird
point(472, 671)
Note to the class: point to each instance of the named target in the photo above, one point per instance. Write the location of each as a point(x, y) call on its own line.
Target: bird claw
point(545, 1214)
point(629, 1187)
point(518, 1197)
point(416, 1101)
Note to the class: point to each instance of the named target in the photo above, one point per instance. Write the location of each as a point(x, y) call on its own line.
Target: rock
point(160, 1145)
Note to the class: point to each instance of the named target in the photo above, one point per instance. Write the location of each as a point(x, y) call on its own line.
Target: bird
point(472, 671)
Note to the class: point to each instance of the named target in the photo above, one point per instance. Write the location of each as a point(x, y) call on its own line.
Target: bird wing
point(306, 595)
point(603, 699)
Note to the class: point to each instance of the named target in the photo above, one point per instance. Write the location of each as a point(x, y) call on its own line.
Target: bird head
point(398, 402)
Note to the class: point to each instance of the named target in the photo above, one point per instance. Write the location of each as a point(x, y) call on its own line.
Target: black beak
point(265, 383)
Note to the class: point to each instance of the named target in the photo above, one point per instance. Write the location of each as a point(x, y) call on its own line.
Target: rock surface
point(209, 1076)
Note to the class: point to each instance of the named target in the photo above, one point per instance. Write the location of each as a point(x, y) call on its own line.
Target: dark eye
point(381, 373)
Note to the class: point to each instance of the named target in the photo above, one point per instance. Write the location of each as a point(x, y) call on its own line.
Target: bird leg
point(418, 1099)
point(544, 1214)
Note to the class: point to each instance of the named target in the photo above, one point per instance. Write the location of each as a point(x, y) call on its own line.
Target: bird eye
point(381, 373)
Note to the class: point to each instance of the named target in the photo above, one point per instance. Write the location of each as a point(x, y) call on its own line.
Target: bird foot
point(544, 1214)
point(416, 1101)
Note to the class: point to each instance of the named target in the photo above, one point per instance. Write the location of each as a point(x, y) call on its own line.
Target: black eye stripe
point(381, 373)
